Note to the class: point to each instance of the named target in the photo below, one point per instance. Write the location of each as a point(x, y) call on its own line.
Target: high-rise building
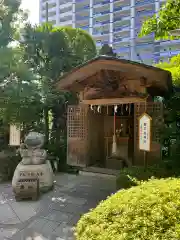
point(116, 22)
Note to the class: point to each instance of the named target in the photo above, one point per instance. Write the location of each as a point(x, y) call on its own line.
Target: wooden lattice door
point(155, 110)
point(77, 132)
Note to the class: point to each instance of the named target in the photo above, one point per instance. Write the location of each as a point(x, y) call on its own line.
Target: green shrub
point(133, 176)
point(8, 163)
point(150, 211)
point(126, 181)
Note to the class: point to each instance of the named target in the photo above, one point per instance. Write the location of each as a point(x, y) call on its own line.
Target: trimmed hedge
point(149, 211)
point(133, 176)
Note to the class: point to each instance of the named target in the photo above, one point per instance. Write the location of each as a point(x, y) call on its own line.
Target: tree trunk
point(46, 125)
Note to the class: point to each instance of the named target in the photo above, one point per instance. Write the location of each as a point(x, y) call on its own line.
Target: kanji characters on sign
point(144, 132)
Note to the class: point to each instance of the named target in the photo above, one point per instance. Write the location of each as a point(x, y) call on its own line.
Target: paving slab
point(7, 233)
point(7, 215)
point(25, 210)
point(44, 226)
point(55, 214)
point(67, 207)
point(32, 234)
point(65, 231)
point(60, 217)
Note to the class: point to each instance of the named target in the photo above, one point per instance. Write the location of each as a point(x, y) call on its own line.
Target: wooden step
point(99, 171)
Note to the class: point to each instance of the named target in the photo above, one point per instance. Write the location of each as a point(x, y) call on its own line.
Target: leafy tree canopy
point(55, 50)
point(174, 67)
point(52, 51)
point(81, 43)
point(17, 87)
point(167, 19)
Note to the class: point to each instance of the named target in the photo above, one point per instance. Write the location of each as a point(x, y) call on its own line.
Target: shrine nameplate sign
point(145, 132)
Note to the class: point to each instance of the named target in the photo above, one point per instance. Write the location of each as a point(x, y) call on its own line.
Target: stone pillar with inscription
point(34, 163)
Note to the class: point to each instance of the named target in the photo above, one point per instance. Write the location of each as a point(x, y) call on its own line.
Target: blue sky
point(33, 7)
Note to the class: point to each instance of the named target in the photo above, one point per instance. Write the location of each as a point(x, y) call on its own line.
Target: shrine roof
point(159, 78)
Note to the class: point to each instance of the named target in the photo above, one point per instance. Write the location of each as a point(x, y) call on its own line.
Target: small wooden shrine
point(113, 93)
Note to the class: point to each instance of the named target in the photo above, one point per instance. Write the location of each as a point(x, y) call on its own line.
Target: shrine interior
point(103, 123)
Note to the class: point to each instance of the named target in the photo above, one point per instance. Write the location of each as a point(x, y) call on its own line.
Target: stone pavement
point(53, 216)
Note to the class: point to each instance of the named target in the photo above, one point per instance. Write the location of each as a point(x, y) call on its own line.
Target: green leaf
point(166, 20)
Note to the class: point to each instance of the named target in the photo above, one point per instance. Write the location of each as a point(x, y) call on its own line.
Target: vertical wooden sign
point(145, 135)
point(145, 132)
point(15, 136)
